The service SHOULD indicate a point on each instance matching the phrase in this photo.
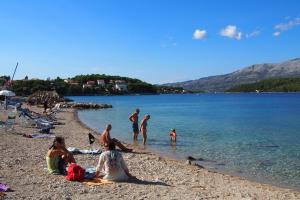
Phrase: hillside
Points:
(270, 85)
(251, 74)
(94, 84)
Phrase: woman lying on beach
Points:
(105, 139)
(143, 128)
(58, 157)
(112, 165)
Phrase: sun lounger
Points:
(38, 121)
(7, 119)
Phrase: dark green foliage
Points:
(141, 87)
(27, 87)
(81, 79)
(270, 85)
(169, 90)
(4, 79)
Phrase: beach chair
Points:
(10, 122)
(7, 119)
(28, 119)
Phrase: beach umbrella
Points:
(7, 93)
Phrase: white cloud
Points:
(286, 26)
(253, 34)
(277, 33)
(231, 31)
(199, 34)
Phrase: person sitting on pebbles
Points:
(111, 165)
(105, 139)
(58, 157)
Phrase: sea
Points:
(251, 135)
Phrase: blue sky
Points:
(156, 41)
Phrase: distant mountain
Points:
(270, 85)
(251, 74)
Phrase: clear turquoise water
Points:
(251, 135)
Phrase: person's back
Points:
(112, 164)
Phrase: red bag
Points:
(75, 173)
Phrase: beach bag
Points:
(75, 173)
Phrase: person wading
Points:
(134, 118)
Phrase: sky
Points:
(157, 41)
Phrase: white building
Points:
(84, 86)
(121, 87)
(101, 82)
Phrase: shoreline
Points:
(195, 163)
(23, 168)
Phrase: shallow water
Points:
(251, 135)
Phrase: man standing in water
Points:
(143, 128)
(134, 118)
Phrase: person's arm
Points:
(107, 137)
(131, 117)
(100, 165)
(142, 125)
(55, 152)
(104, 138)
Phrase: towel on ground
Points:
(90, 173)
(75, 150)
(38, 135)
(96, 182)
(4, 187)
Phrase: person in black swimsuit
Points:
(134, 118)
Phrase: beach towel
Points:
(4, 187)
(38, 135)
(75, 150)
(96, 182)
(90, 173)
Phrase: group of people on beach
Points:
(111, 165)
(134, 118)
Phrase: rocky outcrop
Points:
(85, 105)
(40, 97)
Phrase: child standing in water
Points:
(143, 128)
(173, 135)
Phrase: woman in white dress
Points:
(112, 165)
